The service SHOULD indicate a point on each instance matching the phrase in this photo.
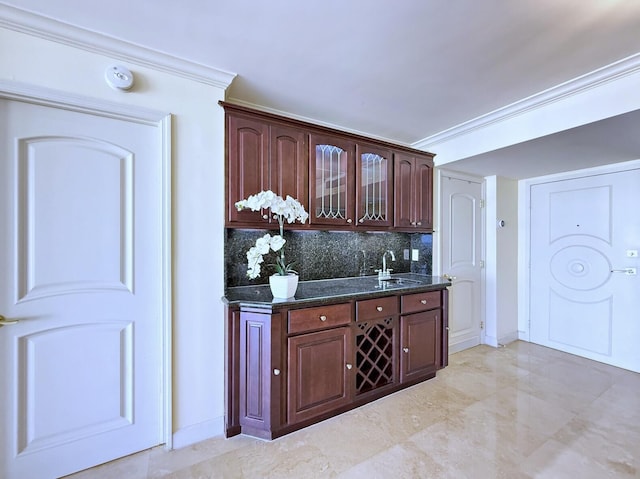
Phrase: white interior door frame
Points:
(57, 99)
(524, 237)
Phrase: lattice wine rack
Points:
(374, 355)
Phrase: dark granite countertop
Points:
(332, 290)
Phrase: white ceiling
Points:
(401, 70)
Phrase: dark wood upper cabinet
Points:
(332, 180)
(344, 181)
(263, 155)
(247, 166)
(374, 186)
(413, 202)
(289, 162)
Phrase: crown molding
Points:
(333, 126)
(609, 73)
(47, 28)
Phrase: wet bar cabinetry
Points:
(413, 204)
(294, 365)
(345, 181)
(263, 155)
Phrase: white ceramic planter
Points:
(283, 287)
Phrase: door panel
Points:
(51, 260)
(80, 268)
(583, 234)
(461, 257)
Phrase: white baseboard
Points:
(462, 345)
(509, 338)
(198, 432)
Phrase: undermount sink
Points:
(400, 281)
(396, 282)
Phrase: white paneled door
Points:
(585, 286)
(80, 272)
(461, 229)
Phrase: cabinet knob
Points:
(323, 318)
(419, 223)
(406, 350)
(361, 220)
(379, 308)
(265, 217)
(447, 328)
(413, 223)
(423, 301)
(276, 372)
(349, 366)
(349, 221)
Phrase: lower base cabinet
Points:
(319, 373)
(289, 368)
(420, 356)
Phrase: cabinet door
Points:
(247, 167)
(403, 173)
(374, 186)
(420, 343)
(319, 373)
(332, 180)
(413, 182)
(423, 193)
(289, 163)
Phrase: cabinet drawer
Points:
(376, 308)
(321, 317)
(412, 303)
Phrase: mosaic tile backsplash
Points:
(329, 254)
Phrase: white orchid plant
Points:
(288, 209)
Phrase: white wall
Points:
(198, 199)
(501, 261)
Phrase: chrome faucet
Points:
(385, 273)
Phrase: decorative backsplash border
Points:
(329, 254)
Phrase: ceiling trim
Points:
(614, 71)
(49, 29)
(333, 126)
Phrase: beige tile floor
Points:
(523, 411)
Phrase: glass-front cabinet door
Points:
(374, 186)
(332, 180)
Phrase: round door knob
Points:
(276, 372)
(349, 221)
(323, 318)
(379, 308)
(423, 301)
(406, 350)
(349, 366)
